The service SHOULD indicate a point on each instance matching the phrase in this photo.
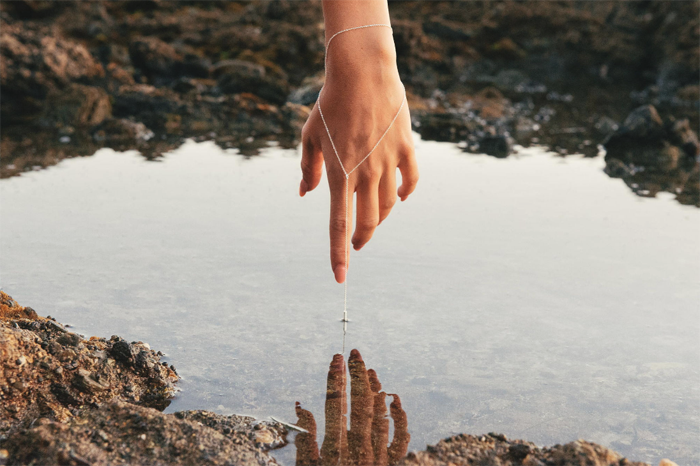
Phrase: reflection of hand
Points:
(366, 441)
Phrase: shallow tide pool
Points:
(532, 296)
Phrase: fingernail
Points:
(303, 187)
(340, 272)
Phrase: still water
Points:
(532, 296)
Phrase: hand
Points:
(360, 98)
(366, 441)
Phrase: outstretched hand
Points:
(359, 100)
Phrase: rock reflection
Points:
(367, 441)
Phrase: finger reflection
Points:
(367, 441)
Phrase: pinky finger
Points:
(409, 175)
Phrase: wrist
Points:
(362, 54)
(344, 14)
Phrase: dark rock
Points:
(238, 76)
(680, 134)
(77, 105)
(644, 140)
(499, 146)
(122, 351)
(307, 93)
(33, 63)
(153, 56)
(644, 123)
(450, 127)
(449, 30)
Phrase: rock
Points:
(499, 146)
(238, 76)
(121, 129)
(33, 63)
(680, 134)
(496, 450)
(667, 462)
(77, 105)
(450, 127)
(122, 433)
(307, 93)
(153, 56)
(644, 122)
(445, 29)
(644, 140)
(268, 435)
(61, 372)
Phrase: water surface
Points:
(532, 296)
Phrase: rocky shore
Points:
(71, 401)
(573, 76)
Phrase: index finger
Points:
(340, 225)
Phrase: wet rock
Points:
(153, 56)
(644, 140)
(445, 29)
(35, 62)
(265, 434)
(450, 127)
(61, 372)
(122, 433)
(122, 129)
(77, 105)
(499, 146)
(238, 76)
(497, 450)
(32, 9)
(680, 134)
(307, 93)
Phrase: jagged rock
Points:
(238, 76)
(153, 56)
(35, 62)
(77, 105)
(450, 127)
(61, 372)
(644, 140)
(498, 145)
(118, 433)
(496, 450)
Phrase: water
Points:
(532, 296)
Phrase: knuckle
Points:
(388, 204)
(338, 226)
(366, 226)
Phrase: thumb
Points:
(311, 164)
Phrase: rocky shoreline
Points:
(569, 75)
(71, 401)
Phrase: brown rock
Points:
(62, 372)
(497, 450)
(78, 105)
(118, 433)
